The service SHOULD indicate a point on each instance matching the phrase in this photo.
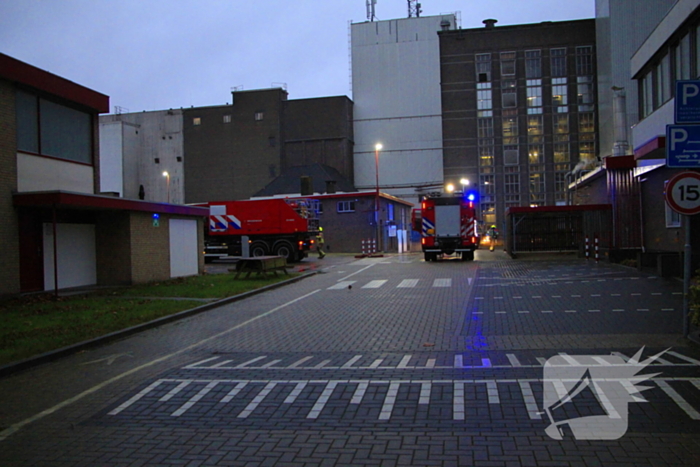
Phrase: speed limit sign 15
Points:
(683, 193)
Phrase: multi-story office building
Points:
(518, 110)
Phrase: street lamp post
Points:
(167, 184)
(377, 148)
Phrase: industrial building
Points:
(396, 91)
(223, 152)
(518, 111)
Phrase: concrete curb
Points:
(116, 335)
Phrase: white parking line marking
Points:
(233, 392)
(341, 285)
(407, 283)
(295, 392)
(257, 400)
(442, 282)
(359, 392)
(175, 391)
(532, 409)
(323, 400)
(203, 392)
(458, 401)
(678, 399)
(390, 400)
(683, 357)
(375, 284)
(513, 360)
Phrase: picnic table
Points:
(261, 265)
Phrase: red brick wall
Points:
(9, 228)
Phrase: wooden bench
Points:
(261, 265)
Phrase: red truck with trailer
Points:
(281, 227)
(447, 224)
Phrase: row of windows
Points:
(258, 116)
(561, 154)
(533, 63)
(679, 60)
(535, 127)
(50, 129)
(585, 96)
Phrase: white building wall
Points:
(621, 27)
(149, 144)
(111, 171)
(397, 102)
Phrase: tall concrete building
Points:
(621, 27)
(518, 110)
(396, 91)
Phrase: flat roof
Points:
(23, 73)
(83, 201)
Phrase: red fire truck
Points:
(282, 227)
(448, 225)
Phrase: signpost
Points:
(682, 191)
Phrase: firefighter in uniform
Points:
(319, 243)
(493, 235)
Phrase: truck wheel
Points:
(467, 256)
(286, 249)
(430, 256)
(258, 249)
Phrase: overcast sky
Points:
(160, 54)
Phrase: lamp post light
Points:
(377, 148)
(464, 182)
(167, 184)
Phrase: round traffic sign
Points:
(683, 193)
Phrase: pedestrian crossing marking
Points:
(260, 390)
(442, 282)
(341, 285)
(404, 284)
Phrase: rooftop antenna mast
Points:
(414, 8)
(371, 16)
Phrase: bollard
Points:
(587, 248)
(597, 257)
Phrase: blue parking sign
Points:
(687, 102)
(683, 146)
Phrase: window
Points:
(486, 184)
(663, 80)
(535, 157)
(534, 94)
(51, 129)
(558, 62)
(586, 98)
(227, 118)
(483, 68)
(584, 60)
(533, 64)
(535, 129)
(510, 130)
(483, 96)
(346, 206)
(512, 183)
(486, 158)
(586, 122)
(673, 219)
(509, 98)
(196, 121)
(560, 123)
(560, 94)
(485, 127)
(587, 150)
(259, 116)
(647, 95)
(488, 213)
(560, 186)
(561, 153)
(507, 63)
(536, 187)
(390, 212)
(510, 155)
(682, 58)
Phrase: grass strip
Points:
(41, 323)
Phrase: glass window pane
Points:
(65, 132)
(27, 122)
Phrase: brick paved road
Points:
(387, 361)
